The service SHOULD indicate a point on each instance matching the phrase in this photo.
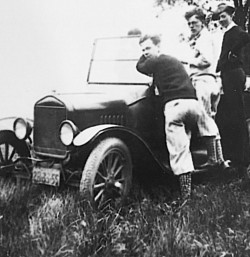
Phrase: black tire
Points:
(11, 148)
(107, 175)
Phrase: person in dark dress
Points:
(231, 115)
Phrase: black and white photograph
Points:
(125, 128)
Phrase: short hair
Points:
(223, 7)
(156, 39)
(198, 12)
(228, 9)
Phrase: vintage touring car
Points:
(99, 138)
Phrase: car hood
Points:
(99, 96)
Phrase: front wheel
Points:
(11, 151)
(107, 175)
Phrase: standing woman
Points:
(230, 116)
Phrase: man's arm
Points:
(203, 52)
(199, 61)
(146, 65)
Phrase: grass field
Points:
(42, 221)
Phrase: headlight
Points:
(68, 131)
(22, 128)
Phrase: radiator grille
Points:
(46, 130)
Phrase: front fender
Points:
(140, 150)
(7, 123)
(6, 126)
(90, 133)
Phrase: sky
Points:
(46, 45)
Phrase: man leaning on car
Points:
(181, 108)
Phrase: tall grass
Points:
(42, 221)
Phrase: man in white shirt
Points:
(202, 72)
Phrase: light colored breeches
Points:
(208, 92)
(180, 115)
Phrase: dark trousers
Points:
(231, 119)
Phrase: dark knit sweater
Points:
(233, 41)
(169, 76)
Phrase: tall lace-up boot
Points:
(211, 152)
(220, 158)
(185, 185)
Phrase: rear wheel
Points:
(107, 175)
(13, 153)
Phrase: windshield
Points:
(114, 62)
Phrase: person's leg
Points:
(210, 142)
(177, 139)
(231, 117)
(210, 133)
(215, 88)
(185, 185)
(206, 87)
(220, 157)
(178, 143)
(204, 92)
(215, 99)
